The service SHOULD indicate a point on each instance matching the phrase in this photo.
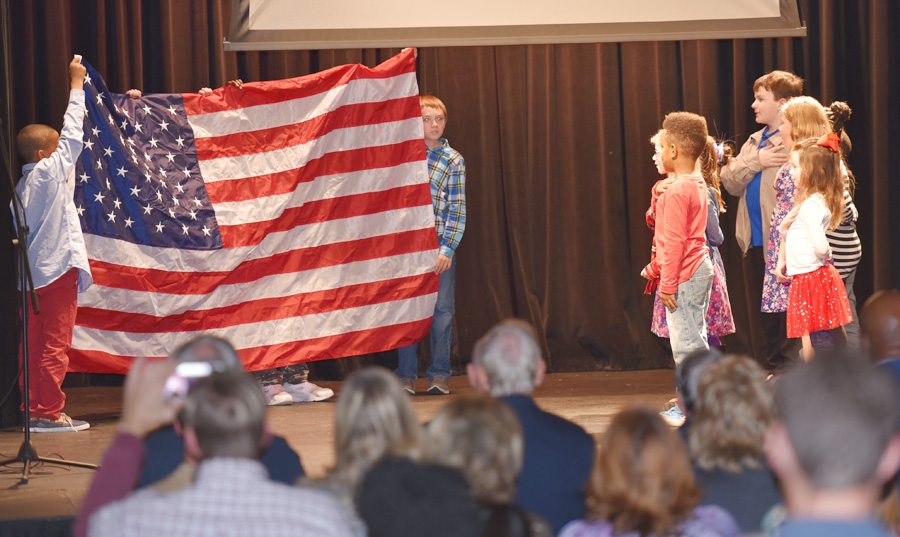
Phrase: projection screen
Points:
(333, 24)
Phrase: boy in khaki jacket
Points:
(750, 176)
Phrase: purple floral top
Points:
(706, 521)
(775, 294)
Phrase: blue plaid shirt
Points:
(447, 172)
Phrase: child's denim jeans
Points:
(687, 324)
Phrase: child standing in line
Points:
(682, 255)
(817, 301)
(801, 118)
(719, 319)
(844, 240)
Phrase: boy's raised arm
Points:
(70, 138)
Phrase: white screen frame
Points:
(272, 31)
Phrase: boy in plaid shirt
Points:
(447, 172)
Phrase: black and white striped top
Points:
(845, 246)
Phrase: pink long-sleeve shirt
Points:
(680, 234)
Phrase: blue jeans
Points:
(441, 333)
(687, 324)
(852, 329)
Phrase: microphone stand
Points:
(27, 455)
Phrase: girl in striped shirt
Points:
(845, 246)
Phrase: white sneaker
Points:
(307, 392)
(673, 416)
(439, 386)
(64, 424)
(408, 385)
(276, 396)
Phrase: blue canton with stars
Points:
(138, 178)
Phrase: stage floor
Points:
(589, 399)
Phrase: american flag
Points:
(292, 217)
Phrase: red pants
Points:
(49, 338)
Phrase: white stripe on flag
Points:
(264, 333)
(291, 158)
(266, 116)
(231, 213)
(120, 252)
(274, 286)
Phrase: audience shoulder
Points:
(570, 429)
(321, 509)
(716, 518)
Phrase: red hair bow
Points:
(831, 141)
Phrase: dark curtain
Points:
(555, 140)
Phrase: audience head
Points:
(223, 416)
(36, 141)
(400, 497)
(880, 324)
(733, 410)
(373, 419)
(835, 428)
(642, 481)
(687, 375)
(803, 117)
(684, 138)
(507, 360)
(218, 352)
(479, 436)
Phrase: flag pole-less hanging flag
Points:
(291, 217)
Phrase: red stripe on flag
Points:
(335, 162)
(322, 211)
(282, 354)
(277, 91)
(339, 346)
(264, 309)
(263, 140)
(199, 283)
(85, 361)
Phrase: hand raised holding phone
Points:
(145, 406)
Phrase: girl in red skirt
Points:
(817, 301)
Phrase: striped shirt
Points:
(447, 171)
(846, 249)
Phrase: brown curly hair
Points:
(732, 411)
(709, 168)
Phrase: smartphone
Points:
(186, 374)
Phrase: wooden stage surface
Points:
(589, 399)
